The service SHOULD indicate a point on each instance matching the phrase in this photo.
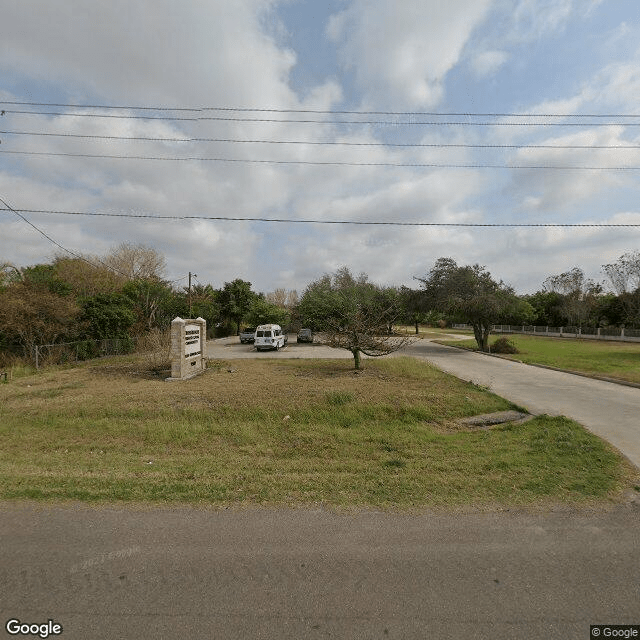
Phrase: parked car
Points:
(305, 335)
(270, 336)
(248, 335)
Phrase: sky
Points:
(435, 117)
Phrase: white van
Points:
(269, 336)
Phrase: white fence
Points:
(588, 333)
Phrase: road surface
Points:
(306, 574)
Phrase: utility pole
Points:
(195, 275)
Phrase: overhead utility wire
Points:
(392, 123)
(418, 165)
(437, 145)
(318, 221)
(50, 239)
(324, 111)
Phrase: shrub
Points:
(504, 345)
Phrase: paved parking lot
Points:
(231, 348)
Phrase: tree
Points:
(87, 277)
(136, 262)
(471, 295)
(9, 273)
(31, 314)
(261, 311)
(579, 295)
(624, 276)
(151, 302)
(235, 300)
(204, 304)
(352, 313)
(108, 315)
(547, 308)
(413, 306)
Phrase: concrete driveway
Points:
(609, 410)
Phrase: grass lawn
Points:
(287, 432)
(619, 360)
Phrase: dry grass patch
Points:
(286, 432)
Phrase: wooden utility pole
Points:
(195, 275)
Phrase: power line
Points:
(390, 123)
(325, 111)
(436, 145)
(417, 165)
(333, 222)
(50, 239)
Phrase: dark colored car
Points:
(305, 335)
(248, 335)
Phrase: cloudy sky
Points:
(352, 111)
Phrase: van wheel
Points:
(277, 346)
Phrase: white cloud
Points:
(401, 52)
(487, 63)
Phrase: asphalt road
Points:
(281, 574)
(609, 410)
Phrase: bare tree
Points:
(9, 273)
(579, 294)
(625, 280)
(136, 262)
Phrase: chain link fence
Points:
(65, 352)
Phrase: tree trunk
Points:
(482, 336)
(356, 357)
(417, 331)
(485, 338)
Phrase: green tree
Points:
(261, 311)
(352, 313)
(547, 308)
(471, 295)
(108, 315)
(235, 300)
(152, 302)
(413, 307)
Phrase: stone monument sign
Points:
(188, 348)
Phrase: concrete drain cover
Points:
(489, 419)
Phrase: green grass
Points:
(619, 360)
(290, 432)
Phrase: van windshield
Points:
(264, 334)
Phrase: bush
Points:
(156, 347)
(503, 345)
